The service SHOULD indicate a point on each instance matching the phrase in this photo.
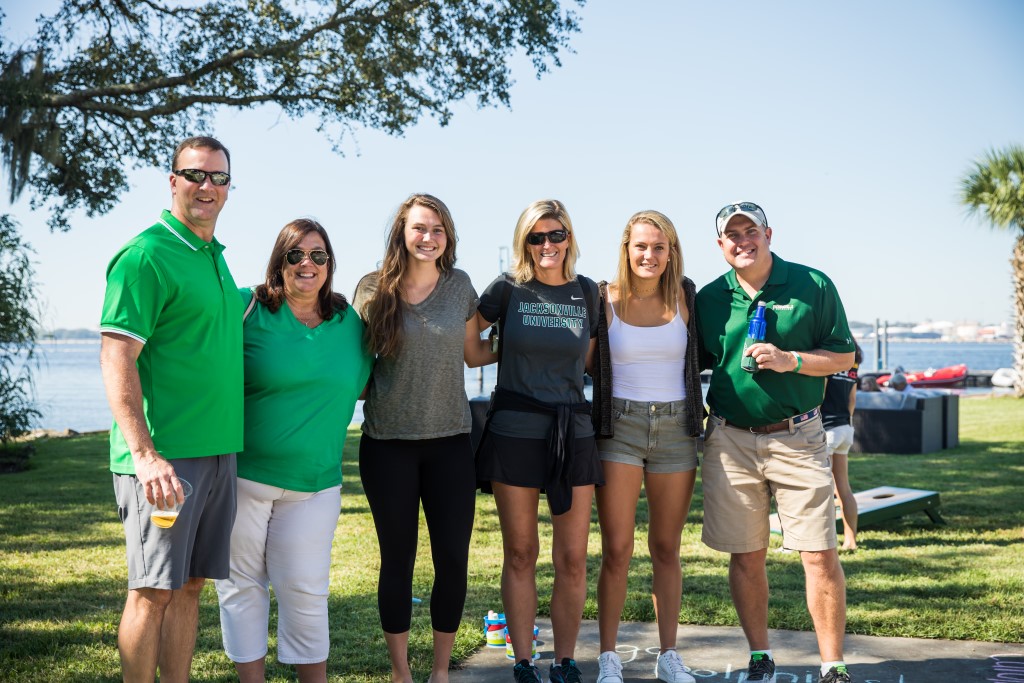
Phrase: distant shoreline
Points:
(83, 337)
(904, 340)
(63, 335)
(70, 340)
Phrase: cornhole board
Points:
(884, 503)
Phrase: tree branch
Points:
(336, 20)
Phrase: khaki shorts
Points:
(743, 471)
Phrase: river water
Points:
(69, 388)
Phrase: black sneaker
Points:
(837, 674)
(566, 672)
(761, 669)
(525, 672)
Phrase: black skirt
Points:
(524, 462)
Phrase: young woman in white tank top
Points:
(653, 422)
(647, 361)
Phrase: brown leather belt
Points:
(776, 426)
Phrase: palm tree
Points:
(994, 188)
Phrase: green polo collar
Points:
(181, 231)
(778, 276)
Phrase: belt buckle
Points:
(771, 428)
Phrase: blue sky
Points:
(850, 123)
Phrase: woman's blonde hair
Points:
(522, 262)
(671, 280)
(384, 309)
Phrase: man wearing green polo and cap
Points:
(764, 436)
(171, 357)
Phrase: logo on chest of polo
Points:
(552, 315)
(782, 307)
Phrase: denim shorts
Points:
(652, 435)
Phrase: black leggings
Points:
(397, 474)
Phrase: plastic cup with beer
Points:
(165, 518)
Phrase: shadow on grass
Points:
(49, 628)
(27, 599)
(32, 529)
(956, 544)
(974, 447)
(61, 636)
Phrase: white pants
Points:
(282, 539)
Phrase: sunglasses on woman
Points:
(555, 237)
(317, 256)
(197, 176)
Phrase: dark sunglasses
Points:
(729, 209)
(197, 176)
(317, 256)
(555, 237)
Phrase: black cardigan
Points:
(601, 413)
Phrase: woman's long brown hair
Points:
(383, 312)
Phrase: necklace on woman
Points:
(312, 319)
(640, 294)
(422, 318)
(416, 290)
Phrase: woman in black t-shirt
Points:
(539, 435)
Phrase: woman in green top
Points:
(305, 366)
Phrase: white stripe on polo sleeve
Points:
(121, 330)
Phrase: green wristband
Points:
(799, 361)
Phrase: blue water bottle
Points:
(755, 334)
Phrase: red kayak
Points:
(935, 378)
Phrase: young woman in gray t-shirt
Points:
(420, 315)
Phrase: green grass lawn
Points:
(62, 567)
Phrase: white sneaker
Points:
(671, 669)
(610, 668)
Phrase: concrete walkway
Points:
(717, 653)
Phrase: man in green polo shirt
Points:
(171, 358)
(764, 436)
